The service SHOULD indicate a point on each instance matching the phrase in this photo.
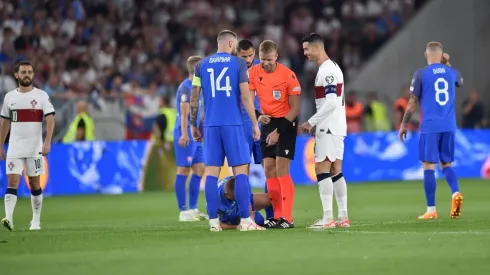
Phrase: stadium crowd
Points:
(121, 48)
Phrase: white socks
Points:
(37, 205)
(10, 201)
(325, 187)
(340, 190)
(431, 209)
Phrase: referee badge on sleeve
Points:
(276, 94)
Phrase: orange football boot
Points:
(429, 216)
(456, 205)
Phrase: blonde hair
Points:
(191, 63)
(267, 46)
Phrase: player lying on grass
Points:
(229, 215)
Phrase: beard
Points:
(26, 82)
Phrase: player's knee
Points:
(336, 168)
(270, 169)
(35, 183)
(198, 169)
(282, 167)
(183, 171)
(446, 164)
(428, 166)
(212, 171)
(323, 167)
(13, 181)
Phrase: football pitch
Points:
(140, 234)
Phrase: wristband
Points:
(257, 114)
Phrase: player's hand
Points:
(306, 127)
(2, 153)
(184, 140)
(196, 134)
(264, 119)
(256, 132)
(402, 133)
(272, 138)
(46, 148)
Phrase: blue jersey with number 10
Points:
(435, 87)
(220, 75)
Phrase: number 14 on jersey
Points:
(217, 82)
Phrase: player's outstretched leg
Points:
(269, 211)
(457, 197)
(430, 192)
(10, 198)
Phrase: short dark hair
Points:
(245, 45)
(22, 63)
(230, 185)
(312, 38)
(225, 33)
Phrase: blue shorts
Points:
(191, 154)
(253, 145)
(437, 147)
(225, 141)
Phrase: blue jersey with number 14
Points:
(220, 75)
(435, 87)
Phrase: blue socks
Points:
(242, 195)
(180, 181)
(430, 187)
(194, 186)
(259, 219)
(269, 211)
(211, 192)
(451, 179)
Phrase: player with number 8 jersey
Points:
(434, 86)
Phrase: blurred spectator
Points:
(82, 128)
(473, 112)
(377, 119)
(119, 48)
(354, 111)
(163, 129)
(400, 106)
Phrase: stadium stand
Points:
(123, 54)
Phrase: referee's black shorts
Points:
(285, 146)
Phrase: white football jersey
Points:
(26, 112)
(329, 85)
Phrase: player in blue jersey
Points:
(228, 212)
(434, 86)
(246, 51)
(223, 79)
(188, 153)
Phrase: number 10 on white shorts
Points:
(34, 166)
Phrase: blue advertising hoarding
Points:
(116, 167)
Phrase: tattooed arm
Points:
(412, 105)
(195, 92)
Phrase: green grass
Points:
(139, 234)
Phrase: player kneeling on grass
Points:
(228, 213)
(23, 111)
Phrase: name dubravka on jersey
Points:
(26, 112)
(329, 77)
